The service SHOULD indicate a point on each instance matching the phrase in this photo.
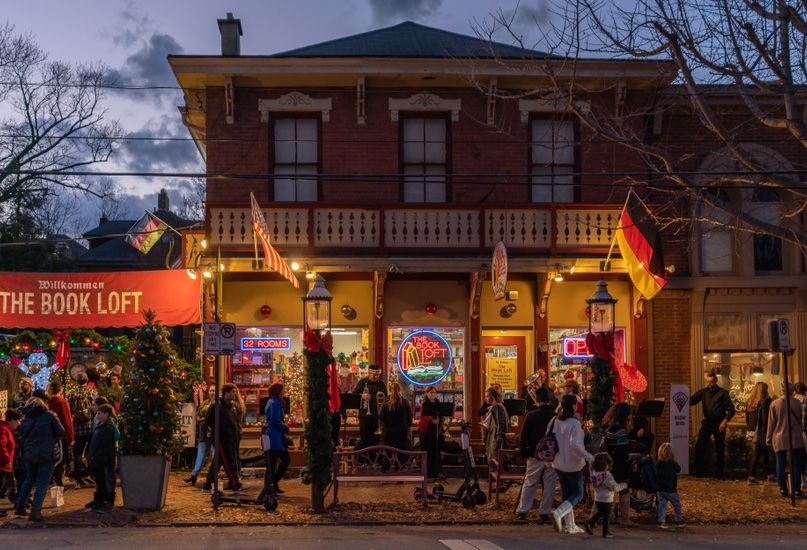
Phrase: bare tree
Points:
(738, 69)
(193, 205)
(54, 126)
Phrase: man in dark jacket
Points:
(61, 407)
(227, 438)
(535, 427)
(369, 387)
(717, 411)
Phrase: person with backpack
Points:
(535, 427)
(80, 400)
(667, 471)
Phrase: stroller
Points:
(642, 485)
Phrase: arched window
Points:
(765, 206)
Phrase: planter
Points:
(144, 481)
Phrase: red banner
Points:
(71, 300)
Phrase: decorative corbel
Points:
(477, 278)
(379, 279)
(360, 104)
(229, 100)
(492, 90)
(547, 283)
(638, 307)
(620, 97)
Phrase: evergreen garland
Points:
(319, 446)
(149, 414)
(601, 395)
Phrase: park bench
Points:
(508, 467)
(380, 464)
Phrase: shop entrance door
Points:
(505, 362)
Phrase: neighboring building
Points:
(386, 163)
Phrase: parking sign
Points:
(219, 339)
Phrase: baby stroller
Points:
(642, 485)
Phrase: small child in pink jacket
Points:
(604, 488)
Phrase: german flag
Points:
(640, 245)
(146, 232)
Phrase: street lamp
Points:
(317, 307)
(601, 308)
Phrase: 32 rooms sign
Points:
(66, 300)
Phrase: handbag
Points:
(266, 442)
(547, 447)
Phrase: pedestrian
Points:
(396, 419)
(227, 439)
(205, 439)
(429, 432)
(499, 423)
(537, 471)
(756, 419)
(717, 411)
(26, 386)
(80, 399)
(667, 471)
(572, 387)
(101, 459)
(604, 487)
(615, 425)
(277, 456)
(778, 435)
(568, 463)
(801, 395)
(61, 407)
(39, 430)
(11, 421)
(369, 387)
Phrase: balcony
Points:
(390, 230)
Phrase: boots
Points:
(624, 511)
(190, 479)
(95, 500)
(559, 513)
(36, 515)
(571, 527)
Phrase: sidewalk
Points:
(705, 501)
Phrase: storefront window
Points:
(569, 355)
(420, 357)
(738, 373)
(266, 355)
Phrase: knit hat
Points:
(27, 379)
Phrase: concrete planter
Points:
(144, 481)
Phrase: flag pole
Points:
(613, 239)
(162, 222)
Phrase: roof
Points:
(410, 39)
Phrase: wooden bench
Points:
(508, 466)
(380, 464)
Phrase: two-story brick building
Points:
(390, 163)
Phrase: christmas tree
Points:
(293, 387)
(601, 390)
(149, 415)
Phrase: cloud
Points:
(161, 145)
(387, 11)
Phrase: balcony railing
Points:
(390, 229)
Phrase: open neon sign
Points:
(264, 344)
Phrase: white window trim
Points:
(548, 105)
(295, 102)
(425, 102)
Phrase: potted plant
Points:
(149, 419)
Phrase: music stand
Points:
(349, 402)
(651, 408)
(515, 407)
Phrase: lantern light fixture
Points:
(601, 307)
(317, 307)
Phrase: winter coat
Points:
(61, 407)
(717, 405)
(397, 420)
(758, 419)
(604, 486)
(102, 446)
(777, 424)
(667, 476)
(275, 424)
(40, 428)
(499, 425)
(534, 429)
(617, 441)
(229, 426)
(572, 454)
(7, 445)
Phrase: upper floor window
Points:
(552, 160)
(296, 159)
(767, 248)
(717, 238)
(425, 159)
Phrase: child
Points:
(604, 487)
(101, 458)
(667, 481)
(13, 417)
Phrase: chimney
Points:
(231, 34)
(162, 200)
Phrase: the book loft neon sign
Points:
(424, 358)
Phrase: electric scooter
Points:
(469, 492)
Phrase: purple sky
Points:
(134, 37)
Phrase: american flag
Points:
(273, 259)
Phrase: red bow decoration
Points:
(632, 378)
(313, 342)
(603, 347)
(63, 352)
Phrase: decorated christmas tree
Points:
(149, 415)
(293, 387)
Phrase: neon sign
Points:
(424, 358)
(574, 347)
(265, 344)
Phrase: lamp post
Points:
(600, 341)
(318, 359)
